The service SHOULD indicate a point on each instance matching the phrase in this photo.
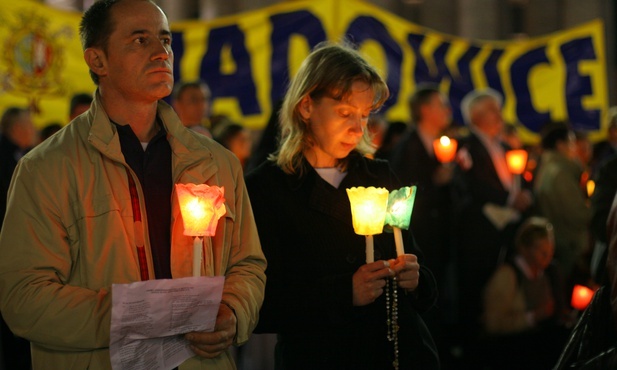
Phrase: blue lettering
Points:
(519, 74)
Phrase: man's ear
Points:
(306, 107)
(95, 59)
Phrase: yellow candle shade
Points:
(201, 207)
(516, 160)
(445, 149)
(400, 206)
(368, 209)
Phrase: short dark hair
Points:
(534, 228)
(79, 99)
(421, 97)
(183, 85)
(553, 133)
(95, 28)
(9, 117)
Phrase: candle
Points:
(398, 215)
(581, 296)
(201, 207)
(445, 149)
(516, 160)
(368, 212)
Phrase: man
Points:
(560, 198)
(487, 203)
(94, 205)
(79, 104)
(191, 100)
(18, 136)
(414, 162)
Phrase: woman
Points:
(327, 306)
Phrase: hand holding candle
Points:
(398, 215)
(201, 207)
(368, 211)
(516, 161)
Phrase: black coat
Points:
(430, 221)
(306, 232)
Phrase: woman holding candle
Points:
(326, 304)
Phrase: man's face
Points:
(138, 60)
(192, 105)
(437, 112)
(486, 116)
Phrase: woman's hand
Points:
(407, 270)
(368, 282)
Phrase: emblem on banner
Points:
(33, 58)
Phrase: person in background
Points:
(523, 304)
(79, 104)
(18, 137)
(236, 138)
(329, 306)
(604, 149)
(488, 207)
(94, 205)
(394, 133)
(414, 162)
(49, 130)
(561, 200)
(191, 101)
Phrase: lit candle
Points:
(368, 212)
(398, 215)
(516, 161)
(201, 207)
(591, 187)
(445, 149)
(581, 296)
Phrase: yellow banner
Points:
(249, 58)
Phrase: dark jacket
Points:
(306, 232)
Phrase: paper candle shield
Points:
(201, 207)
(445, 149)
(516, 160)
(400, 206)
(368, 209)
(581, 297)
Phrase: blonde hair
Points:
(329, 70)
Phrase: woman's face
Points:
(336, 126)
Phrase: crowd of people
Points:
(491, 256)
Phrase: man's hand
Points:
(210, 345)
(368, 282)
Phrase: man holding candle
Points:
(488, 207)
(415, 162)
(94, 206)
(327, 305)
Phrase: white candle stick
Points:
(398, 240)
(197, 247)
(369, 249)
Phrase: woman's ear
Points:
(95, 59)
(305, 107)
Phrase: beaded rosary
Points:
(392, 319)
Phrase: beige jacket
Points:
(69, 234)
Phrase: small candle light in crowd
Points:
(368, 212)
(581, 297)
(201, 207)
(445, 149)
(591, 187)
(516, 161)
(400, 206)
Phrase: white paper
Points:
(149, 320)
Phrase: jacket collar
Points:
(187, 148)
